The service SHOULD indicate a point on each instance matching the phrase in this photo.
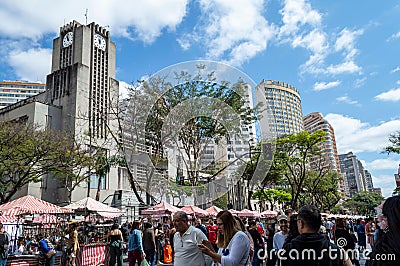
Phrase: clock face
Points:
(68, 39)
(100, 42)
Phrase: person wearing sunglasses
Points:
(233, 244)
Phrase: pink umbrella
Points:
(213, 210)
(9, 219)
(234, 212)
(194, 210)
(29, 205)
(269, 213)
(247, 213)
(93, 205)
(161, 208)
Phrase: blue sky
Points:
(343, 56)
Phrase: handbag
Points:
(51, 253)
(116, 244)
(144, 263)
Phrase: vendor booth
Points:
(14, 214)
(91, 251)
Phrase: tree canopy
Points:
(364, 203)
(28, 153)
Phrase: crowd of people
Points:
(229, 240)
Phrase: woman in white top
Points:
(233, 244)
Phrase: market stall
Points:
(213, 211)
(17, 226)
(91, 251)
(195, 211)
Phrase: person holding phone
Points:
(186, 240)
(234, 245)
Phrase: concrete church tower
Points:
(82, 79)
(81, 98)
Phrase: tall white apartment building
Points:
(329, 158)
(285, 104)
(15, 91)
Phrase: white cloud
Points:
(346, 99)
(302, 27)
(26, 22)
(382, 164)
(345, 67)
(359, 82)
(142, 20)
(296, 13)
(386, 182)
(346, 41)
(123, 89)
(230, 32)
(31, 65)
(357, 136)
(319, 86)
(394, 36)
(389, 96)
(395, 70)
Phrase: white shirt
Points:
(186, 251)
(279, 240)
(239, 251)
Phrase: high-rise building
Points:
(329, 158)
(353, 174)
(81, 98)
(285, 104)
(368, 181)
(15, 91)
(378, 190)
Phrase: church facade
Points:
(81, 98)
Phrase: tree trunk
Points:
(98, 189)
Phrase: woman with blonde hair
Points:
(233, 244)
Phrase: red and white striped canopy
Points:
(93, 205)
(269, 213)
(194, 210)
(213, 210)
(9, 219)
(29, 205)
(161, 208)
(247, 213)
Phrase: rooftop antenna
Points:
(86, 15)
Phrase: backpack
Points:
(4, 242)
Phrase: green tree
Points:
(28, 153)
(221, 202)
(364, 203)
(295, 152)
(321, 189)
(396, 191)
(394, 139)
(273, 196)
(165, 119)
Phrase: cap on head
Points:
(282, 217)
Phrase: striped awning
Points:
(194, 210)
(93, 205)
(161, 208)
(9, 219)
(29, 205)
